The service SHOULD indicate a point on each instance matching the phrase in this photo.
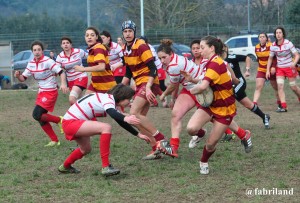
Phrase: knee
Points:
(293, 85)
(106, 128)
(86, 150)
(36, 115)
(176, 115)
(72, 100)
(191, 130)
(210, 147)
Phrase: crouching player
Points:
(79, 124)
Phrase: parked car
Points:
(245, 45)
(179, 49)
(21, 59)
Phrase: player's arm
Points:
(170, 88)
(123, 121)
(127, 76)
(19, 76)
(153, 73)
(118, 64)
(97, 68)
(199, 88)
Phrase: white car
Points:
(245, 45)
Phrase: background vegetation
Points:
(180, 20)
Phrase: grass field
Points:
(29, 173)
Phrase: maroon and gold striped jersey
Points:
(136, 59)
(262, 54)
(104, 80)
(216, 74)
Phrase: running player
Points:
(284, 50)
(79, 124)
(185, 101)
(223, 108)
(44, 70)
(68, 58)
(141, 67)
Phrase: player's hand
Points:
(132, 119)
(162, 97)
(186, 75)
(149, 95)
(143, 137)
(64, 89)
(79, 68)
(267, 75)
(247, 73)
(171, 104)
(17, 74)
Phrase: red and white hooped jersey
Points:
(44, 71)
(284, 53)
(115, 54)
(90, 106)
(180, 63)
(156, 59)
(68, 63)
(202, 67)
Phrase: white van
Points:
(245, 45)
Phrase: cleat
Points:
(110, 171)
(153, 155)
(204, 170)
(52, 144)
(196, 139)
(165, 147)
(227, 138)
(60, 125)
(71, 169)
(281, 110)
(247, 142)
(267, 121)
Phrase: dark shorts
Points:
(240, 90)
(226, 120)
(263, 75)
(141, 90)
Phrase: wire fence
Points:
(51, 40)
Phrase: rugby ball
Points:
(206, 97)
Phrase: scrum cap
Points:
(128, 25)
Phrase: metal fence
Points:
(22, 41)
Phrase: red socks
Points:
(201, 133)
(283, 105)
(49, 131)
(50, 118)
(206, 154)
(104, 146)
(241, 133)
(74, 156)
(174, 142)
(228, 131)
(159, 136)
